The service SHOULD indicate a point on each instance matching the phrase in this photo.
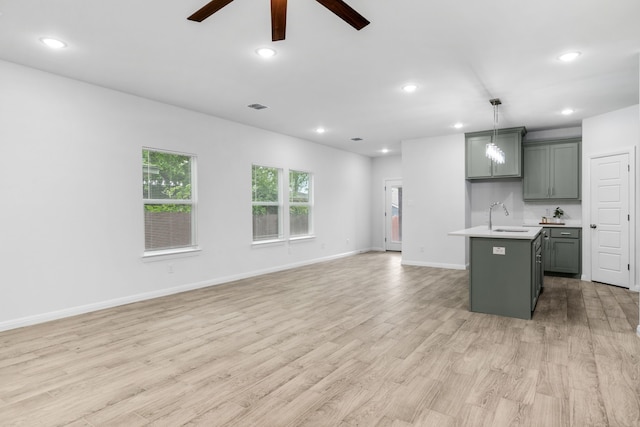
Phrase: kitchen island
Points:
(506, 270)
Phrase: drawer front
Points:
(572, 233)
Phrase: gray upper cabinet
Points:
(478, 166)
(552, 170)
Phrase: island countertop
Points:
(508, 232)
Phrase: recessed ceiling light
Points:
(569, 56)
(356, 139)
(257, 106)
(384, 150)
(53, 43)
(321, 130)
(410, 87)
(266, 52)
(458, 125)
(567, 112)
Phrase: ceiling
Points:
(460, 54)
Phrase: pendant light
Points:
(494, 152)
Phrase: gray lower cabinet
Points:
(506, 276)
(551, 170)
(563, 250)
(478, 166)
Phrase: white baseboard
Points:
(74, 311)
(436, 265)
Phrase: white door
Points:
(610, 219)
(393, 215)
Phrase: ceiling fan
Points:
(279, 14)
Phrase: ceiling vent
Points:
(356, 139)
(257, 106)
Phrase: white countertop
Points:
(572, 224)
(511, 232)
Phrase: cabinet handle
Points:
(565, 233)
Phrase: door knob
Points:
(593, 226)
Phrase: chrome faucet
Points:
(506, 212)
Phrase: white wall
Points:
(608, 133)
(435, 198)
(71, 220)
(383, 168)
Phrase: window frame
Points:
(309, 204)
(193, 202)
(279, 203)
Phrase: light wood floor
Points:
(360, 341)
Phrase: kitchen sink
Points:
(510, 230)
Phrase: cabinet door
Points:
(546, 249)
(564, 171)
(478, 164)
(535, 183)
(538, 272)
(511, 145)
(565, 255)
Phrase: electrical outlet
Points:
(170, 268)
(421, 248)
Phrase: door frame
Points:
(387, 182)
(586, 211)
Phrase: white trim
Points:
(74, 311)
(259, 243)
(586, 200)
(384, 210)
(170, 253)
(309, 204)
(302, 238)
(193, 202)
(436, 265)
(280, 204)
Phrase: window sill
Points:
(258, 243)
(302, 238)
(282, 241)
(170, 254)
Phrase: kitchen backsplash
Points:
(482, 194)
(532, 213)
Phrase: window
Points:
(300, 204)
(266, 203)
(168, 192)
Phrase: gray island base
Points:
(506, 270)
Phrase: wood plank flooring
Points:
(360, 341)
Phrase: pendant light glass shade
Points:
(494, 152)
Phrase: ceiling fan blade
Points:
(346, 12)
(208, 9)
(278, 19)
